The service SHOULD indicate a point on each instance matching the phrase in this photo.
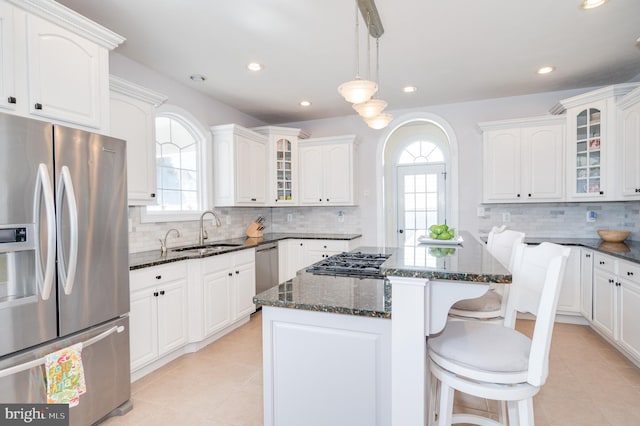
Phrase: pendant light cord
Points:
(357, 44)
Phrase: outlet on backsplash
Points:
(341, 216)
(506, 217)
(289, 217)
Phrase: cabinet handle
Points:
(158, 277)
(230, 274)
(153, 195)
(12, 100)
(155, 294)
(610, 281)
(38, 106)
(162, 292)
(237, 272)
(587, 255)
(253, 199)
(602, 262)
(629, 273)
(601, 192)
(618, 284)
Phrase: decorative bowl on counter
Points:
(612, 236)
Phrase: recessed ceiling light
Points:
(592, 4)
(305, 103)
(409, 89)
(197, 78)
(545, 70)
(255, 66)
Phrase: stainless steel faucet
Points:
(203, 233)
(163, 243)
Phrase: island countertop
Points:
(470, 262)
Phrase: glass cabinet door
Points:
(284, 170)
(588, 160)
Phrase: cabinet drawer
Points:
(217, 263)
(327, 245)
(604, 263)
(245, 256)
(156, 275)
(629, 271)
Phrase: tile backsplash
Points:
(563, 219)
(335, 220)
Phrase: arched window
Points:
(179, 153)
(421, 152)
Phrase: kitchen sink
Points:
(206, 247)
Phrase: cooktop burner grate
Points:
(358, 264)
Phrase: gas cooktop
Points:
(352, 264)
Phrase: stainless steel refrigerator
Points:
(64, 269)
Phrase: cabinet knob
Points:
(253, 199)
(276, 200)
(401, 231)
(300, 244)
(237, 272)
(12, 100)
(320, 199)
(587, 255)
(230, 274)
(610, 281)
(38, 106)
(601, 192)
(155, 294)
(518, 195)
(158, 277)
(529, 195)
(153, 195)
(327, 200)
(618, 284)
(162, 292)
(629, 273)
(602, 262)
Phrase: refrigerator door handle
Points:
(66, 186)
(44, 190)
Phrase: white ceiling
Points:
(452, 50)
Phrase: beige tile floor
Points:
(589, 383)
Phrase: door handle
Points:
(66, 186)
(45, 189)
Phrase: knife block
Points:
(253, 231)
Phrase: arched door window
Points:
(421, 190)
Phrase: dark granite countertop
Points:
(469, 261)
(335, 294)
(153, 258)
(628, 250)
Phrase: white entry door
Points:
(421, 200)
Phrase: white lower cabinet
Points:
(224, 293)
(297, 254)
(158, 313)
(616, 298)
(586, 283)
(570, 298)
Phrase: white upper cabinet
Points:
(282, 164)
(592, 142)
(239, 166)
(629, 150)
(7, 62)
(523, 160)
(132, 115)
(60, 64)
(328, 171)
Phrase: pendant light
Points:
(358, 90)
(376, 120)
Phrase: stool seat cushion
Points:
(483, 346)
(489, 302)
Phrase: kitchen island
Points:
(349, 351)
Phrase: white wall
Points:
(463, 117)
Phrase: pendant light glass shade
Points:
(379, 122)
(358, 91)
(371, 108)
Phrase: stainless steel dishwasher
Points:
(266, 266)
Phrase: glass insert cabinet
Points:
(284, 178)
(588, 158)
